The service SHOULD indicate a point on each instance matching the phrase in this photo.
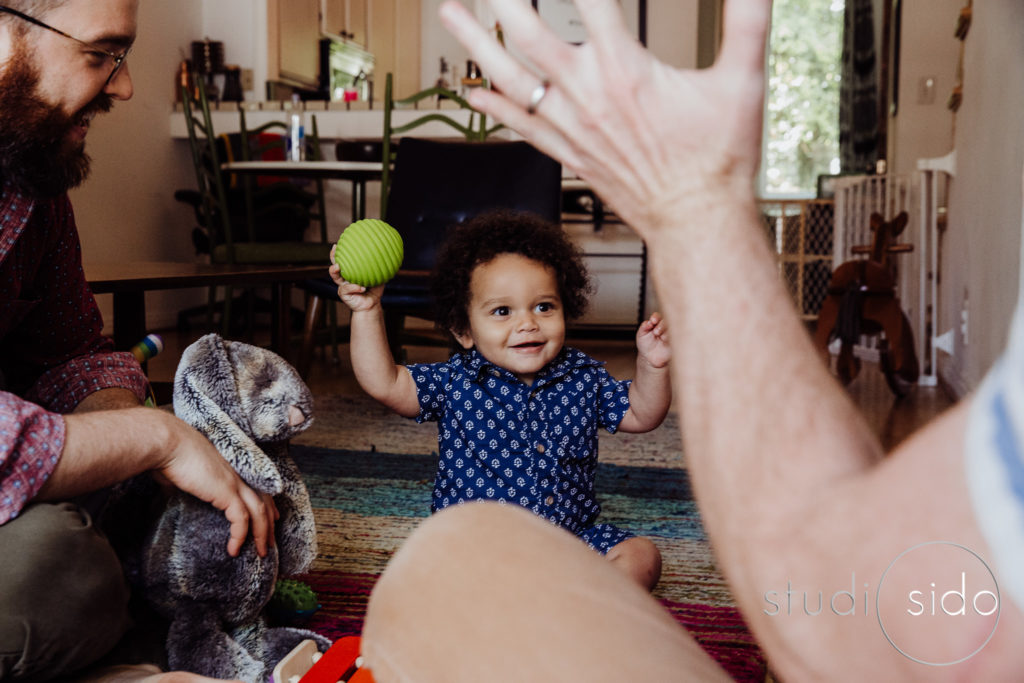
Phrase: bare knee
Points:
(640, 559)
(464, 561)
(454, 538)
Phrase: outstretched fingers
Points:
(745, 32)
(516, 83)
(539, 131)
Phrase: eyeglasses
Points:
(118, 59)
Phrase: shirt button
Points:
(549, 500)
(540, 448)
(495, 372)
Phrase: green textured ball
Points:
(291, 595)
(369, 252)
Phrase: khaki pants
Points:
(486, 592)
(63, 597)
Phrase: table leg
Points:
(282, 304)
(355, 200)
(129, 319)
(358, 200)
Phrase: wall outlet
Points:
(248, 80)
(926, 86)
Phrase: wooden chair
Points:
(862, 299)
(238, 221)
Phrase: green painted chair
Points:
(240, 220)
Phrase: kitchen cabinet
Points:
(346, 18)
(394, 40)
(388, 29)
(293, 34)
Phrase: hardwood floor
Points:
(892, 419)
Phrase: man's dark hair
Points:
(481, 239)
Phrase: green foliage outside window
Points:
(802, 116)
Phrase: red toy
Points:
(341, 662)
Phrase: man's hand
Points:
(194, 466)
(644, 135)
(104, 447)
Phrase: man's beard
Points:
(37, 156)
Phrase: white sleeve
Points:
(994, 461)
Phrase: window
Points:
(801, 128)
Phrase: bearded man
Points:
(71, 423)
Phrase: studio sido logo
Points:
(942, 618)
(937, 603)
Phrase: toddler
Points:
(517, 410)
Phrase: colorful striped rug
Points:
(370, 472)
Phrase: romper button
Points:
(540, 448)
(549, 500)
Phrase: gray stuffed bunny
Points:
(248, 401)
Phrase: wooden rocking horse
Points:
(862, 299)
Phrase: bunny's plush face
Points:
(276, 402)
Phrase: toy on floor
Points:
(248, 402)
(292, 603)
(150, 346)
(369, 252)
(862, 300)
(305, 664)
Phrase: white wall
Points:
(242, 26)
(672, 31)
(126, 210)
(929, 50)
(981, 252)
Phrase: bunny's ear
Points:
(202, 375)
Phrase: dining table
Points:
(358, 172)
(129, 282)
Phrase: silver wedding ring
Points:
(538, 94)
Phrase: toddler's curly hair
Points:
(490, 234)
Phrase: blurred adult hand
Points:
(643, 134)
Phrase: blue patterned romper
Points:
(536, 446)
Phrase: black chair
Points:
(434, 186)
(475, 129)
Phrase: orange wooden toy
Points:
(341, 662)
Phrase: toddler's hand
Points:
(356, 297)
(652, 341)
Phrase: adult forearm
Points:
(777, 452)
(761, 413)
(103, 447)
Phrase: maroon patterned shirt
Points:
(52, 354)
